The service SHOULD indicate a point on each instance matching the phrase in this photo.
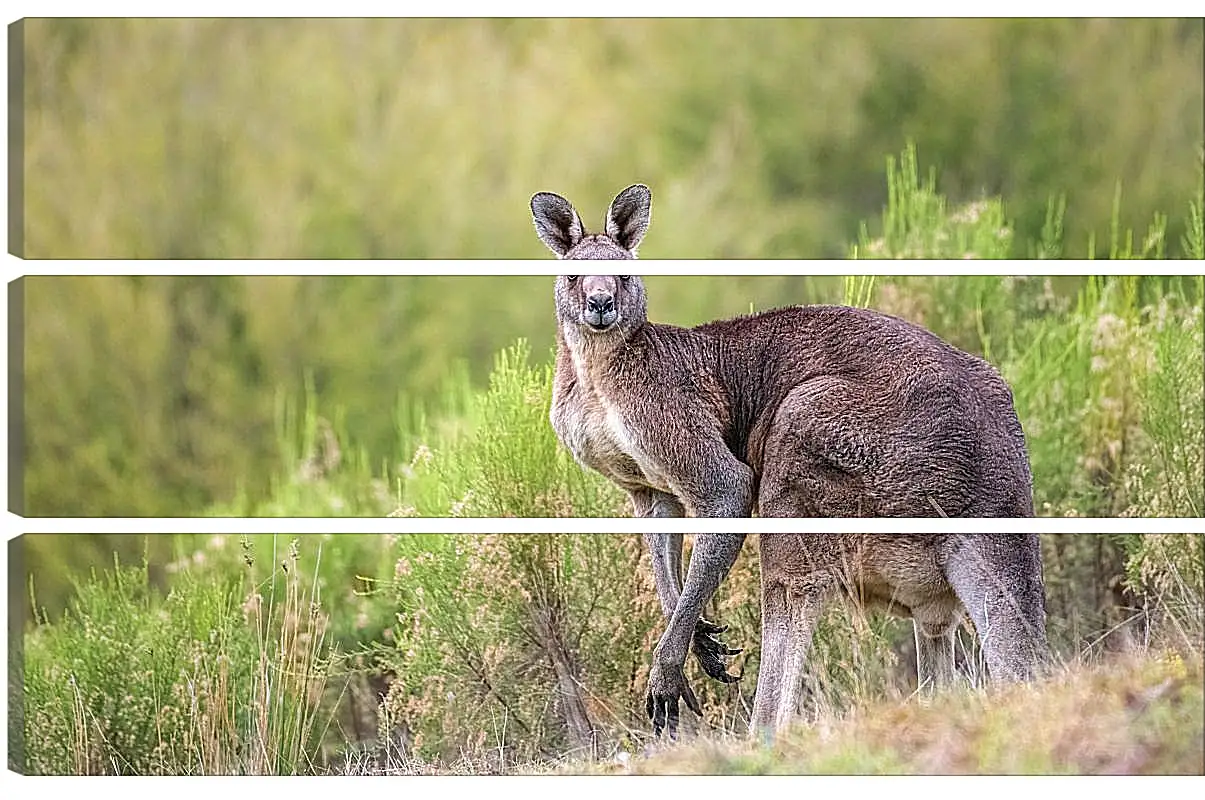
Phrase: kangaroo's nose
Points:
(600, 303)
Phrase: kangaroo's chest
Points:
(603, 438)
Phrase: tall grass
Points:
(917, 223)
(212, 679)
(1168, 570)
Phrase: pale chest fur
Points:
(598, 434)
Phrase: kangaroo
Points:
(806, 411)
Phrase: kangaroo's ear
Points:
(628, 216)
(557, 223)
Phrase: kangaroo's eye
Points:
(625, 278)
(571, 279)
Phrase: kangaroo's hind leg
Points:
(793, 598)
(805, 604)
(998, 577)
(775, 633)
(935, 630)
(818, 453)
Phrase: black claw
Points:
(668, 688)
(710, 652)
(692, 702)
(717, 648)
(715, 668)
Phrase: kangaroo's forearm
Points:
(664, 548)
(710, 561)
(666, 551)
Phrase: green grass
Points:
(218, 676)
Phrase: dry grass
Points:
(1135, 717)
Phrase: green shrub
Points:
(506, 461)
(917, 224)
(516, 647)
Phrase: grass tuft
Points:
(220, 676)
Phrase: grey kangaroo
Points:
(809, 411)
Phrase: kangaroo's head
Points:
(600, 305)
(596, 304)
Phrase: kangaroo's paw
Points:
(667, 685)
(711, 652)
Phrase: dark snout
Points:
(600, 310)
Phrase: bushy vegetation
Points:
(506, 461)
(508, 652)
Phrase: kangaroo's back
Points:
(903, 423)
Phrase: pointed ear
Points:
(628, 216)
(557, 223)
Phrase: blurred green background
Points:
(426, 138)
(763, 138)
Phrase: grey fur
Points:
(808, 411)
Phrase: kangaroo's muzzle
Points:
(600, 311)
